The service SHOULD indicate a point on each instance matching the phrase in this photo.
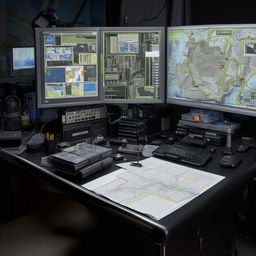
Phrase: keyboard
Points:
(186, 154)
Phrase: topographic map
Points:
(213, 64)
(156, 189)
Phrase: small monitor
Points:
(67, 66)
(133, 64)
(213, 67)
(22, 61)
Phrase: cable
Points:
(156, 16)
(78, 13)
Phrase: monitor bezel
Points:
(25, 72)
(162, 87)
(201, 104)
(68, 102)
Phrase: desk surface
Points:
(162, 229)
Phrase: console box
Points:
(137, 130)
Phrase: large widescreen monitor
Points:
(133, 64)
(212, 67)
(67, 66)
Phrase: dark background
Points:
(16, 17)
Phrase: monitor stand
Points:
(218, 126)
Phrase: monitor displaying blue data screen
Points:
(212, 67)
(23, 58)
(68, 66)
(133, 65)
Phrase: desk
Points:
(162, 231)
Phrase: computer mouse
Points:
(118, 157)
(35, 142)
(212, 149)
(171, 139)
(245, 146)
(230, 160)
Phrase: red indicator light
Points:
(197, 118)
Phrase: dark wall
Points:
(138, 13)
(222, 12)
(113, 12)
(16, 18)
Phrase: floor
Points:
(246, 247)
(37, 235)
(56, 225)
(47, 223)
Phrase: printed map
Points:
(156, 189)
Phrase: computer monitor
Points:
(212, 67)
(22, 61)
(133, 64)
(67, 66)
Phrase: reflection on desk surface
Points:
(156, 189)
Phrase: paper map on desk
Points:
(156, 189)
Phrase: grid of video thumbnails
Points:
(70, 65)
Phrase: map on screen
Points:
(213, 64)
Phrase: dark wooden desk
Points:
(163, 232)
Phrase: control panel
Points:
(82, 123)
(70, 116)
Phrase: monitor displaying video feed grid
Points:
(67, 66)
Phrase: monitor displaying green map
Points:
(212, 67)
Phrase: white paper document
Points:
(157, 188)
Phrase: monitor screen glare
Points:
(213, 67)
(23, 58)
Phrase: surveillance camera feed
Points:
(214, 65)
(23, 58)
(132, 65)
(70, 64)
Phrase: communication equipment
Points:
(82, 123)
(133, 64)
(83, 114)
(133, 130)
(67, 66)
(10, 138)
(212, 67)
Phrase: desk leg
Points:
(161, 249)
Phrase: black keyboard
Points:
(186, 154)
